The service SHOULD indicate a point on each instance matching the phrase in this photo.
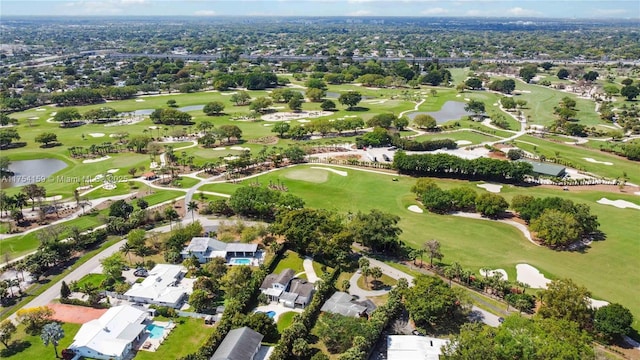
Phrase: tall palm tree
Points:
(191, 207)
(127, 250)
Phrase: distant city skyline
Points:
(618, 9)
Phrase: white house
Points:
(275, 284)
(402, 347)
(206, 248)
(112, 335)
(163, 287)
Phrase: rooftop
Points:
(546, 168)
(239, 344)
(342, 303)
(402, 347)
(112, 332)
(160, 284)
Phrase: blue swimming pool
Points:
(271, 314)
(240, 261)
(155, 331)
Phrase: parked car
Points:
(386, 158)
(500, 320)
(141, 273)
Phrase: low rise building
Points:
(239, 344)
(403, 347)
(162, 287)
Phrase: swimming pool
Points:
(240, 261)
(155, 331)
(271, 314)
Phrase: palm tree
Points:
(127, 250)
(52, 333)
(449, 273)
(191, 207)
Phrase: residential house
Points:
(275, 284)
(239, 344)
(344, 304)
(402, 347)
(112, 335)
(163, 287)
(207, 248)
(303, 291)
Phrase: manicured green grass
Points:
(20, 245)
(606, 268)
(34, 347)
(577, 154)
(290, 260)
(160, 196)
(186, 338)
(285, 320)
(92, 279)
(187, 182)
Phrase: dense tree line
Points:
(427, 145)
(558, 222)
(452, 166)
(262, 203)
(170, 117)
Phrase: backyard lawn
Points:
(285, 320)
(31, 346)
(290, 260)
(186, 338)
(92, 279)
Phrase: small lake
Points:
(335, 95)
(32, 171)
(191, 108)
(451, 110)
(147, 112)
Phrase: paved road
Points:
(54, 291)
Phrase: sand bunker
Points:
(490, 273)
(239, 148)
(531, 276)
(463, 142)
(88, 161)
(467, 99)
(620, 204)
(341, 173)
(41, 109)
(267, 124)
(53, 198)
(596, 304)
(314, 176)
(95, 135)
(598, 162)
(304, 121)
(229, 93)
(415, 209)
(219, 148)
(491, 187)
(112, 171)
(283, 116)
(458, 95)
(34, 118)
(231, 158)
(139, 100)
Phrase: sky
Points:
(579, 9)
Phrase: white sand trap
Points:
(54, 113)
(239, 148)
(415, 209)
(229, 93)
(267, 124)
(598, 162)
(41, 109)
(277, 107)
(53, 198)
(304, 121)
(88, 161)
(490, 273)
(491, 187)
(139, 100)
(596, 304)
(620, 204)
(351, 116)
(463, 142)
(231, 158)
(96, 135)
(467, 99)
(34, 118)
(637, 193)
(219, 148)
(531, 276)
(495, 104)
(112, 171)
(458, 95)
(341, 173)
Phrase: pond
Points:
(32, 171)
(191, 108)
(451, 110)
(335, 95)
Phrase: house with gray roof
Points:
(344, 304)
(275, 284)
(207, 248)
(284, 288)
(239, 344)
